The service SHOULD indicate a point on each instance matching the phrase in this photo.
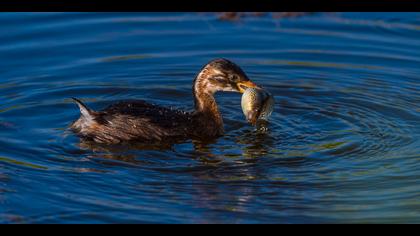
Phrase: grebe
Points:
(137, 120)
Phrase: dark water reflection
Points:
(342, 144)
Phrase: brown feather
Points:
(137, 120)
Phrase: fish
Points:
(257, 104)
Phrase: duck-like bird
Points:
(137, 120)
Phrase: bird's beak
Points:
(246, 84)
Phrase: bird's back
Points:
(133, 120)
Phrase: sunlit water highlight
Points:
(343, 143)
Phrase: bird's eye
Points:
(233, 78)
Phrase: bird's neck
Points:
(205, 106)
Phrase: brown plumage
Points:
(137, 120)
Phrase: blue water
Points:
(343, 143)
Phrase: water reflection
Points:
(341, 146)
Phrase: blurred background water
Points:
(343, 142)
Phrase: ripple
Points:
(341, 146)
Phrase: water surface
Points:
(343, 143)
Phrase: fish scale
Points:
(257, 104)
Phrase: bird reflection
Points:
(238, 172)
(127, 152)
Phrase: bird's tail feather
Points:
(84, 110)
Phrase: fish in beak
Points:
(244, 85)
